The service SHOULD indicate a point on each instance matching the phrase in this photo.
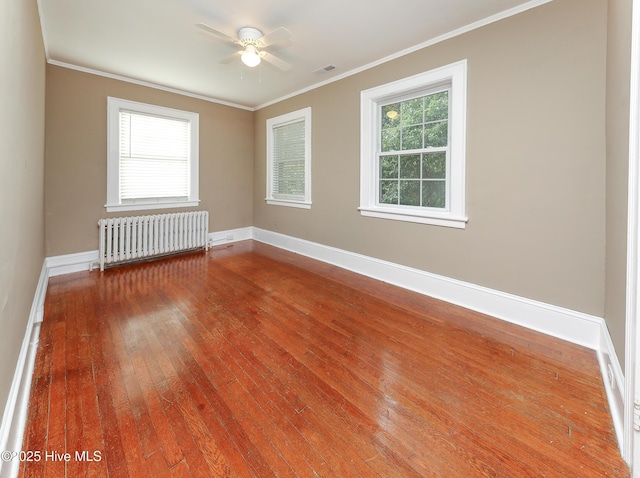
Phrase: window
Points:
(413, 148)
(152, 157)
(289, 159)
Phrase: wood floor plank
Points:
(252, 361)
(262, 390)
(38, 415)
(73, 381)
(329, 368)
(56, 428)
(295, 385)
(93, 443)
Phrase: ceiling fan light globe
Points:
(250, 56)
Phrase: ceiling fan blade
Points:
(276, 36)
(218, 33)
(275, 61)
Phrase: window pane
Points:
(289, 159)
(389, 192)
(411, 112)
(434, 165)
(289, 177)
(410, 166)
(412, 137)
(410, 193)
(390, 116)
(436, 107)
(436, 135)
(389, 167)
(390, 139)
(433, 193)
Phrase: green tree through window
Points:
(414, 138)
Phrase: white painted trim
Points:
(299, 205)
(431, 218)
(630, 444)
(575, 327)
(15, 413)
(230, 235)
(614, 382)
(70, 263)
(143, 206)
(460, 31)
(155, 86)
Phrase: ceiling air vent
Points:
(324, 69)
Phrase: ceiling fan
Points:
(252, 44)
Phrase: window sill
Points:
(150, 205)
(435, 219)
(300, 205)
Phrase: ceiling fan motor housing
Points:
(249, 36)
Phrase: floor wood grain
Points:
(252, 361)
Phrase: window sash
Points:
(413, 192)
(289, 168)
(422, 177)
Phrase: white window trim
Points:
(114, 204)
(304, 113)
(370, 100)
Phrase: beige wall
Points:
(535, 161)
(617, 118)
(22, 80)
(76, 157)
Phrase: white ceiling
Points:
(155, 41)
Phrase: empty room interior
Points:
(405, 236)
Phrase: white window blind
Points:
(289, 161)
(154, 156)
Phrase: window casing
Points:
(152, 156)
(289, 159)
(413, 148)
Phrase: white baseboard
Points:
(614, 382)
(229, 236)
(70, 263)
(14, 417)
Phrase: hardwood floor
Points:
(251, 361)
